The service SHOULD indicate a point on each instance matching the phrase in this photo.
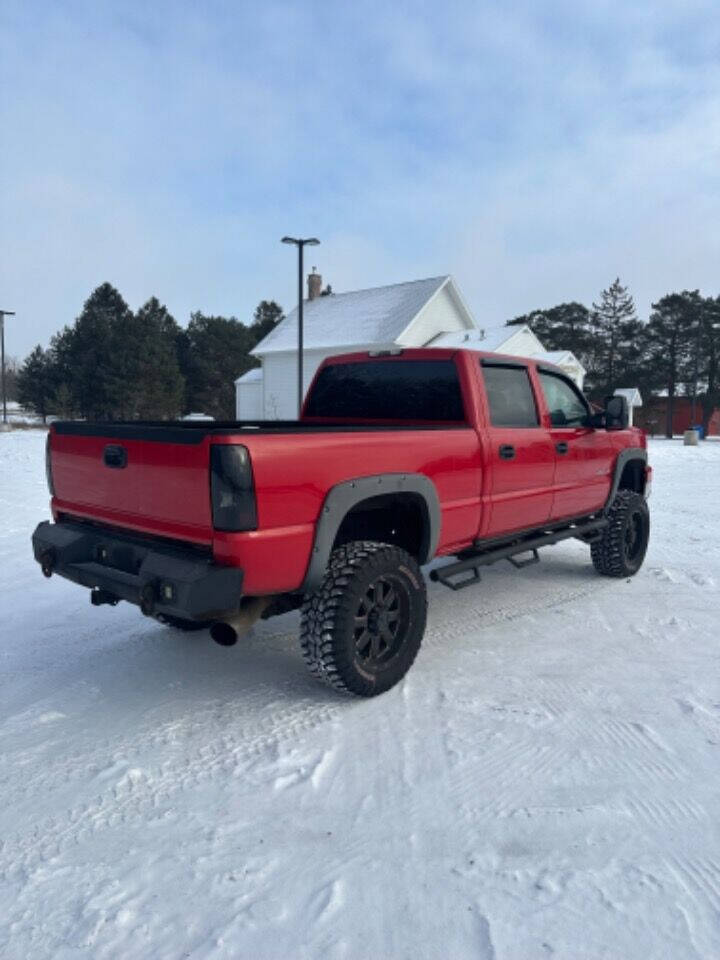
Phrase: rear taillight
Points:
(232, 489)
(48, 467)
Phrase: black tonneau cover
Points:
(194, 431)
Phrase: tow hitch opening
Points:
(100, 597)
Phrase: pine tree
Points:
(564, 327)
(267, 316)
(60, 355)
(99, 355)
(709, 353)
(160, 385)
(144, 379)
(35, 387)
(671, 335)
(213, 352)
(616, 333)
(124, 359)
(62, 401)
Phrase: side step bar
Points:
(587, 531)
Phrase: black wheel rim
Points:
(381, 622)
(634, 536)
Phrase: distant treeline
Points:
(116, 364)
(113, 363)
(677, 350)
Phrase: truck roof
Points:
(436, 353)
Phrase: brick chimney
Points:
(314, 282)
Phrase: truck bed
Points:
(163, 487)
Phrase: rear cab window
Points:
(388, 390)
(567, 406)
(511, 400)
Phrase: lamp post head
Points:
(310, 241)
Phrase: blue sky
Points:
(533, 150)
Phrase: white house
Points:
(401, 315)
(518, 341)
(248, 395)
(421, 313)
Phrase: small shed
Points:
(632, 395)
(249, 395)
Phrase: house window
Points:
(510, 396)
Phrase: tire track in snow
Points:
(501, 614)
(663, 813)
(699, 878)
(144, 791)
(511, 784)
(441, 627)
(628, 747)
(130, 790)
(244, 740)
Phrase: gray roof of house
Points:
(378, 315)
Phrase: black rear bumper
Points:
(160, 578)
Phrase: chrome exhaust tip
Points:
(228, 632)
(224, 633)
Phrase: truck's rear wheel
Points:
(621, 549)
(362, 629)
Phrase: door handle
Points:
(507, 451)
(561, 447)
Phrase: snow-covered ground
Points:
(545, 782)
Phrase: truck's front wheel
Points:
(621, 549)
(362, 629)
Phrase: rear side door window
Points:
(510, 396)
(567, 406)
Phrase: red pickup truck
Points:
(398, 457)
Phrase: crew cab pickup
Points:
(398, 458)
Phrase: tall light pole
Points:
(300, 244)
(3, 314)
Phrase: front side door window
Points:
(583, 454)
(567, 406)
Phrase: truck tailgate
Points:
(158, 484)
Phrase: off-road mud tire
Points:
(621, 549)
(362, 576)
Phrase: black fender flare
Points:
(624, 457)
(341, 498)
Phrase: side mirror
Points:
(616, 413)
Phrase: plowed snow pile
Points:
(545, 783)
